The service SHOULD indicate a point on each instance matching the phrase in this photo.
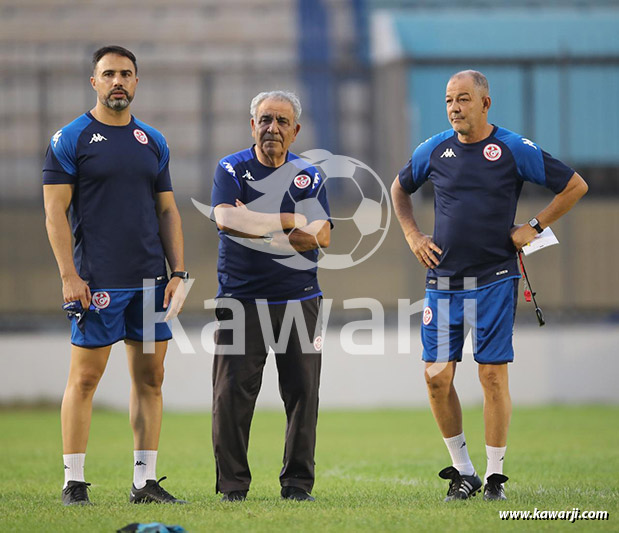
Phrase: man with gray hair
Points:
(257, 198)
(478, 170)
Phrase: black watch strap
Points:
(534, 223)
(183, 274)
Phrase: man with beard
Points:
(110, 171)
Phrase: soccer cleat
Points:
(494, 487)
(152, 492)
(460, 487)
(234, 496)
(296, 494)
(76, 493)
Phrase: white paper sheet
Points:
(542, 240)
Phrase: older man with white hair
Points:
(257, 194)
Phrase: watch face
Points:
(533, 222)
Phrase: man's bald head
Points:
(468, 103)
(480, 81)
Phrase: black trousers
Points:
(236, 383)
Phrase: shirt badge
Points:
(140, 136)
(302, 181)
(492, 152)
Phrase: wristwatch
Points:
(267, 238)
(534, 223)
(183, 274)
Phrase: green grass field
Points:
(376, 471)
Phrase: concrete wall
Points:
(575, 364)
(579, 274)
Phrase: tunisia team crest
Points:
(492, 152)
(318, 343)
(140, 136)
(101, 299)
(302, 181)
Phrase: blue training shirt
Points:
(476, 190)
(116, 172)
(247, 273)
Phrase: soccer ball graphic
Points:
(360, 208)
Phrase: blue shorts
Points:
(117, 314)
(448, 316)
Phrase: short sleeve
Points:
(163, 183)
(535, 165)
(416, 171)
(557, 173)
(540, 167)
(226, 186)
(406, 177)
(164, 154)
(60, 165)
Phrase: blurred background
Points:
(371, 75)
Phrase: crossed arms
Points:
(291, 231)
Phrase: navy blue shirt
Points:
(116, 172)
(476, 190)
(247, 273)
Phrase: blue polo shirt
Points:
(247, 273)
(116, 172)
(476, 190)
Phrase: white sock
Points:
(460, 454)
(495, 456)
(73, 467)
(144, 467)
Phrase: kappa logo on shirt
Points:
(316, 180)
(97, 137)
(448, 153)
(248, 176)
(529, 143)
(229, 168)
(56, 137)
